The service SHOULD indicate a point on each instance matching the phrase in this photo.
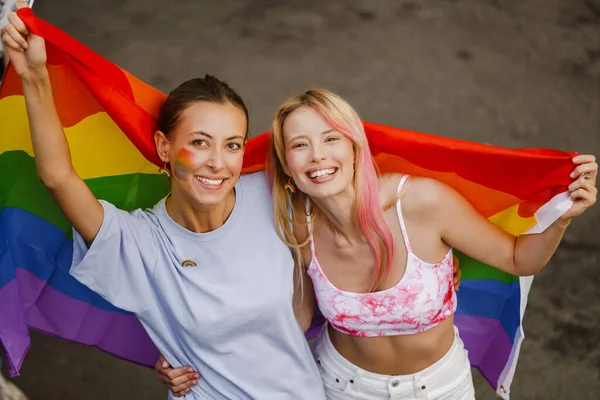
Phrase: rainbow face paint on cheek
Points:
(185, 163)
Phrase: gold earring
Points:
(289, 186)
(165, 171)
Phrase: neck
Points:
(339, 215)
(198, 218)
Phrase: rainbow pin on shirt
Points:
(188, 263)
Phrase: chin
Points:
(211, 198)
(322, 192)
(210, 201)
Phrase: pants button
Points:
(395, 383)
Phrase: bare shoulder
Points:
(424, 195)
(388, 189)
(419, 194)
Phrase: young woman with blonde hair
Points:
(378, 251)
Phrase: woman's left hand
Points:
(583, 190)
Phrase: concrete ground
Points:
(515, 73)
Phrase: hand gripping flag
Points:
(109, 118)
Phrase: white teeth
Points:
(320, 173)
(213, 182)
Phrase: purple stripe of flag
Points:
(48, 310)
(488, 345)
(14, 335)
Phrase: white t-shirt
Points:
(219, 301)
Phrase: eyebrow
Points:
(202, 133)
(322, 133)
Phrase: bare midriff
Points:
(396, 355)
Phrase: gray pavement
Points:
(515, 73)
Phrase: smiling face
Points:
(326, 162)
(319, 159)
(206, 151)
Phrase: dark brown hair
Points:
(209, 89)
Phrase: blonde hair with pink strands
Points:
(367, 209)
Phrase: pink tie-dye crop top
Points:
(422, 299)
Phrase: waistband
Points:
(325, 350)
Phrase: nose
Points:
(317, 153)
(215, 162)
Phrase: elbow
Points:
(50, 181)
(305, 325)
(529, 270)
(526, 269)
(53, 180)
(304, 318)
(520, 265)
(524, 272)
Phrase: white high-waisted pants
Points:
(448, 379)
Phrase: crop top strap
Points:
(310, 235)
(400, 218)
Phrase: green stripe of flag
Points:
(21, 188)
(472, 270)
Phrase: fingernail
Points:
(165, 364)
(575, 159)
(194, 382)
(572, 175)
(197, 376)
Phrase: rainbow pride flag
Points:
(109, 118)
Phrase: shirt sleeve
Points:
(119, 263)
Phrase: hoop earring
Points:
(165, 171)
(289, 186)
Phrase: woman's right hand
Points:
(27, 52)
(178, 380)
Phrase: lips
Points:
(321, 172)
(212, 183)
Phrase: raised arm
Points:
(27, 52)
(463, 228)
